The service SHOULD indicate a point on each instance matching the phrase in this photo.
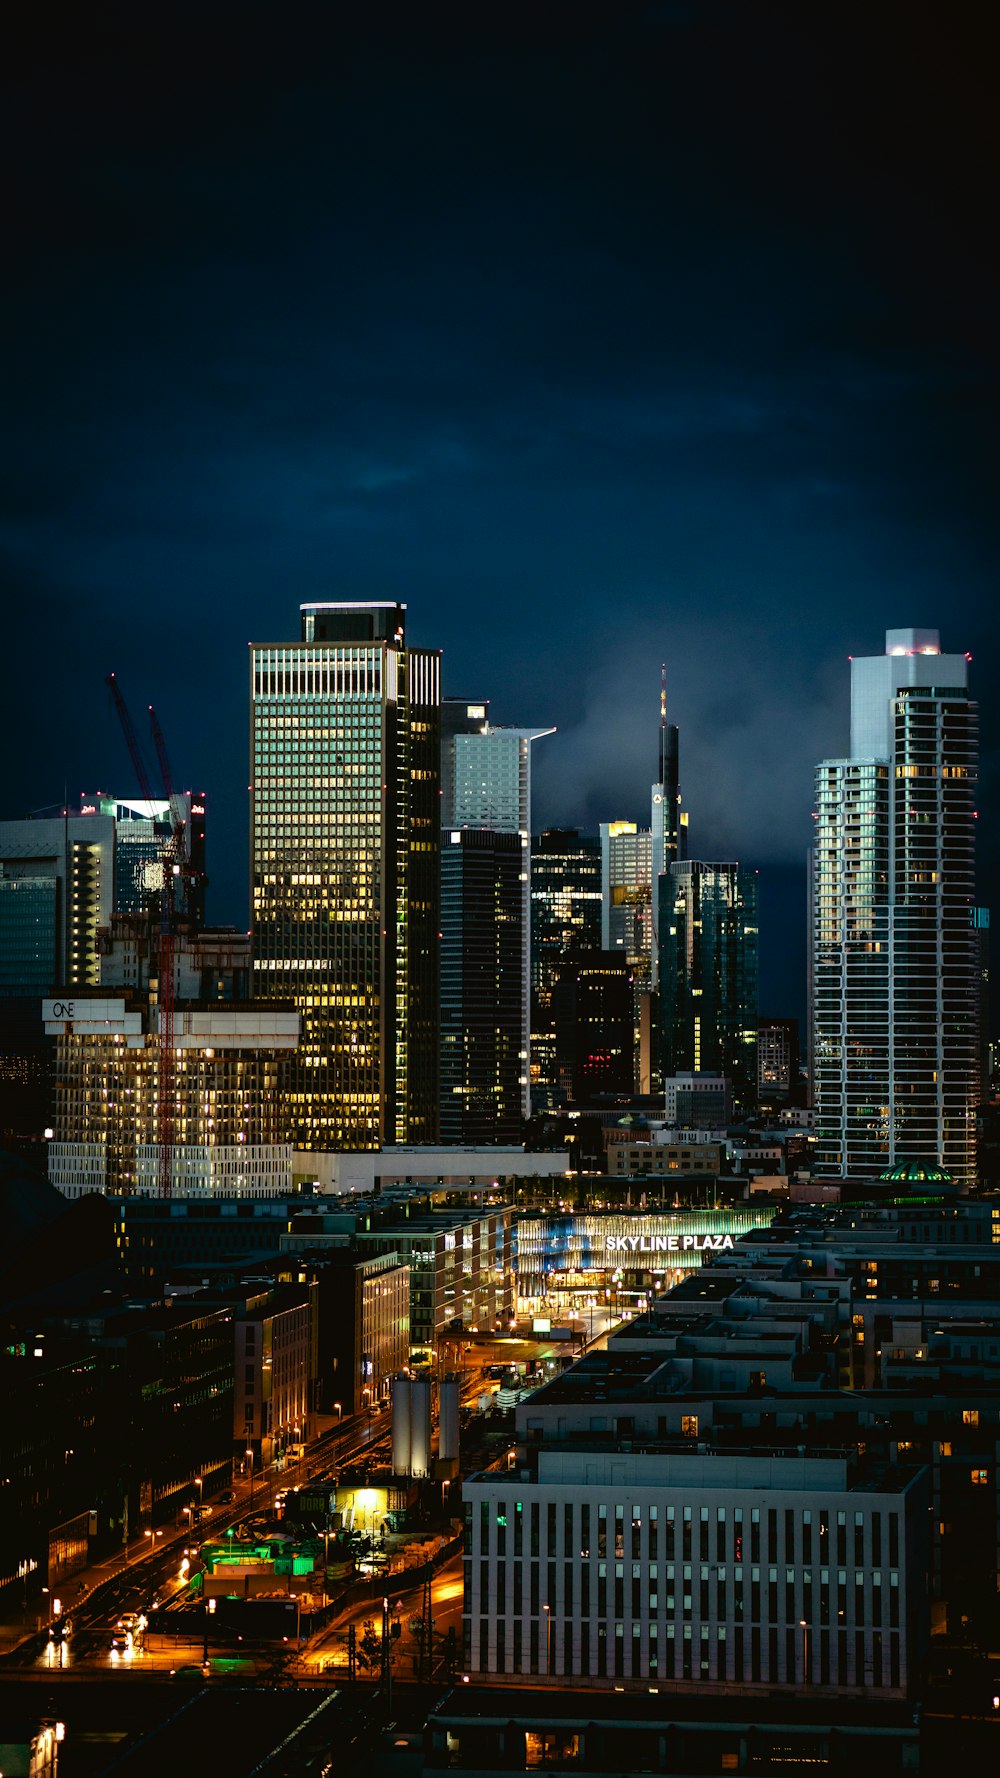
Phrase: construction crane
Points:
(172, 864)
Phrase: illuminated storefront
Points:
(572, 1257)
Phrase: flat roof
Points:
(497, 1705)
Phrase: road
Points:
(150, 1571)
(327, 1652)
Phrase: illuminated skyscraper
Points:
(482, 931)
(627, 924)
(708, 974)
(893, 982)
(345, 838)
(668, 821)
(565, 929)
(492, 790)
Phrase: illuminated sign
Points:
(668, 1244)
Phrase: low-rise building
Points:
(362, 1307)
(478, 1170)
(633, 1160)
(461, 1261)
(749, 1570)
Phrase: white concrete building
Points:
(895, 982)
(716, 1570)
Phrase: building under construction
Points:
(227, 1055)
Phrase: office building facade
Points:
(459, 716)
(728, 1570)
(482, 949)
(491, 770)
(565, 929)
(62, 877)
(593, 1011)
(894, 984)
(228, 1072)
(627, 925)
(777, 1060)
(709, 974)
(345, 841)
(668, 819)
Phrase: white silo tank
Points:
(448, 1420)
(401, 1424)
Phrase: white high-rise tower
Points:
(894, 989)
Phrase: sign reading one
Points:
(668, 1243)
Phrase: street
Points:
(327, 1652)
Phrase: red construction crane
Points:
(172, 863)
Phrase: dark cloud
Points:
(601, 334)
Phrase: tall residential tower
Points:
(894, 986)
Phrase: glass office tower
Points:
(708, 974)
(894, 980)
(492, 789)
(345, 838)
(482, 943)
(566, 904)
(627, 926)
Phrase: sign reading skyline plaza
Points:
(696, 1243)
(580, 1250)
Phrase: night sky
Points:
(599, 334)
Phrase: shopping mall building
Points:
(569, 1263)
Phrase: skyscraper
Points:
(345, 845)
(492, 790)
(565, 928)
(708, 974)
(592, 1009)
(627, 923)
(459, 716)
(894, 987)
(668, 821)
(481, 945)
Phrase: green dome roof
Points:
(916, 1173)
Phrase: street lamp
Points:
(249, 1455)
(804, 1627)
(340, 1411)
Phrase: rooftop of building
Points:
(703, 1287)
(497, 1706)
(679, 1462)
(137, 1206)
(120, 1318)
(917, 1172)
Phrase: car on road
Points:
(126, 1637)
(227, 1498)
